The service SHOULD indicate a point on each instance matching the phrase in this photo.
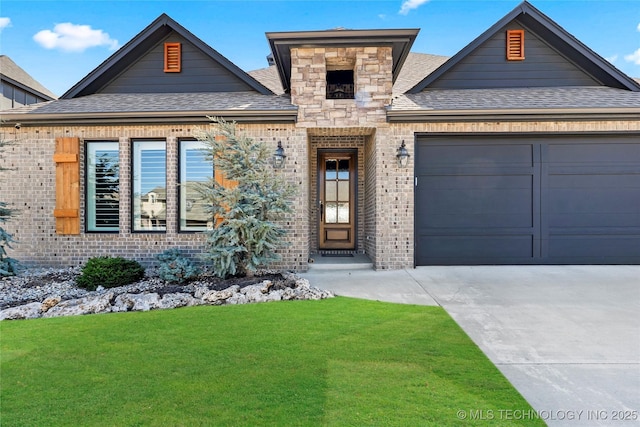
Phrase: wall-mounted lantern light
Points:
(279, 157)
(402, 156)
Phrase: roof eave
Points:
(547, 114)
(201, 116)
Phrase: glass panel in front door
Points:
(337, 191)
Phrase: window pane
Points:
(331, 213)
(330, 168)
(149, 186)
(194, 170)
(343, 191)
(330, 191)
(103, 186)
(343, 213)
(343, 169)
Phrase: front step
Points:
(339, 261)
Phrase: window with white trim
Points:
(195, 170)
(103, 186)
(149, 185)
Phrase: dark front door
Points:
(337, 175)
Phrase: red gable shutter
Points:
(67, 211)
(172, 57)
(515, 45)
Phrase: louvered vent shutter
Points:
(172, 57)
(515, 45)
(67, 211)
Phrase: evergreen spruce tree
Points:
(8, 265)
(248, 209)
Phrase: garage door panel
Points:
(477, 201)
(496, 249)
(462, 156)
(594, 151)
(597, 249)
(593, 201)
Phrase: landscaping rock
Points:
(50, 302)
(27, 311)
(136, 302)
(218, 297)
(53, 293)
(179, 300)
(80, 306)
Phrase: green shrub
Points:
(176, 268)
(109, 272)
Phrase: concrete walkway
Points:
(567, 337)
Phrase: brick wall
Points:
(385, 218)
(30, 188)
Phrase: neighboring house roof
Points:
(12, 73)
(281, 43)
(567, 46)
(119, 66)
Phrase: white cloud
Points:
(74, 38)
(408, 5)
(4, 23)
(613, 58)
(638, 27)
(634, 57)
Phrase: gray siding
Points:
(487, 67)
(13, 97)
(199, 73)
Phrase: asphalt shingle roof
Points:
(159, 102)
(518, 98)
(414, 70)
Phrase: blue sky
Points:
(59, 42)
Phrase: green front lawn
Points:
(336, 362)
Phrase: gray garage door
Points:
(527, 200)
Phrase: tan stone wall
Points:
(30, 188)
(372, 78)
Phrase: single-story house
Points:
(18, 88)
(523, 148)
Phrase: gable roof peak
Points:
(138, 45)
(574, 50)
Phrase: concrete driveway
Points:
(567, 337)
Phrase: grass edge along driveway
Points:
(335, 362)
